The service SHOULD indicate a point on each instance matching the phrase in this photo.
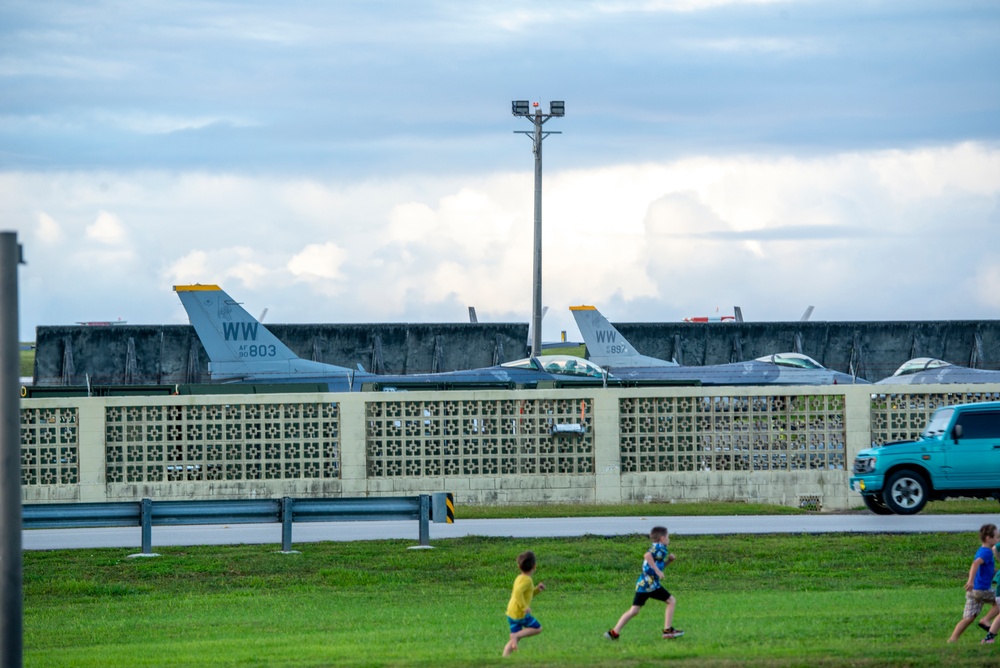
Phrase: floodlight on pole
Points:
(521, 108)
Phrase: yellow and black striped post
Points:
(443, 508)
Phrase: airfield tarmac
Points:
(311, 532)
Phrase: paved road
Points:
(51, 539)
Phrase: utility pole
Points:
(11, 572)
(521, 108)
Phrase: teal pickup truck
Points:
(958, 454)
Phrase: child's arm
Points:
(972, 572)
(652, 564)
(539, 587)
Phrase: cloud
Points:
(190, 269)
(355, 161)
(750, 46)
(650, 241)
(412, 222)
(249, 268)
(64, 67)
(677, 228)
(49, 232)
(144, 123)
(472, 221)
(249, 274)
(319, 263)
(106, 229)
(985, 285)
(369, 90)
(701, 5)
(786, 233)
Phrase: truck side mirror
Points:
(956, 432)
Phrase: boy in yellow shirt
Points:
(519, 618)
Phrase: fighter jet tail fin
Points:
(238, 345)
(605, 344)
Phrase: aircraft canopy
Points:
(563, 365)
(920, 364)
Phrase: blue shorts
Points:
(527, 622)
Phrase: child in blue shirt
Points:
(648, 586)
(978, 588)
(994, 629)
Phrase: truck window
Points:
(976, 425)
(938, 423)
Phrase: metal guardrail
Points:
(146, 513)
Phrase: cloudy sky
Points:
(357, 161)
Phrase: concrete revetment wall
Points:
(789, 446)
(172, 354)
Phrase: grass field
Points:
(657, 509)
(27, 362)
(827, 600)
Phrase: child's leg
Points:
(991, 614)
(511, 645)
(960, 627)
(629, 614)
(668, 616)
(973, 606)
(994, 627)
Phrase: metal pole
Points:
(286, 524)
(11, 573)
(536, 293)
(520, 109)
(146, 520)
(425, 514)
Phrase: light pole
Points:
(11, 568)
(521, 108)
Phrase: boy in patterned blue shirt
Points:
(648, 586)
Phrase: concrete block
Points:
(414, 486)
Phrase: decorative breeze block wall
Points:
(901, 417)
(732, 433)
(251, 441)
(50, 446)
(478, 437)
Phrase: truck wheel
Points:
(905, 493)
(875, 504)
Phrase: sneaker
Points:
(672, 633)
(990, 639)
(611, 635)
